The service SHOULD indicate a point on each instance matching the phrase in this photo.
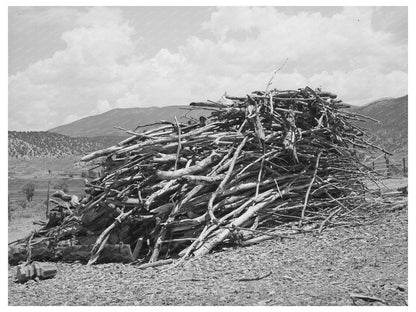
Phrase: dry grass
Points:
(21, 216)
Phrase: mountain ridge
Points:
(392, 131)
(28, 144)
(129, 118)
(97, 132)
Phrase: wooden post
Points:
(47, 196)
(404, 167)
(386, 158)
(374, 165)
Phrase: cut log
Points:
(27, 271)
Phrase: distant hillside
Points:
(129, 118)
(47, 144)
(392, 132)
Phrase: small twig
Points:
(192, 280)
(47, 196)
(178, 151)
(254, 162)
(278, 188)
(249, 279)
(29, 249)
(179, 240)
(242, 126)
(309, 189)
(274, 73)
(155, 264)
(328, 218)
(233, 227)
(224, 182)
(162, 122)
(366, 298)
(260, 171)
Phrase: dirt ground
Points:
(330, 268)
(39, 167)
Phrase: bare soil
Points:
(369, 258)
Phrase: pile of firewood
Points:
(240, 175)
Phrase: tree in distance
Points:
(29, 190)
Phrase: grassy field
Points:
(39, 167)
(22, 213)
(64, 172)
(74, 185)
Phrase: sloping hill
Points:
(392, 131)
(48, 144)
(103, 124)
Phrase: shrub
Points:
(22, 203)
(29, 190)
(11, 209)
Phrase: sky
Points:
(66, 63)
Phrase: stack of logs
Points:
(255, 164)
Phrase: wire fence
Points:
(389, 167)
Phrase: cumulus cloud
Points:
(75, 81)
(102, 67)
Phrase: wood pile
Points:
(240, 175)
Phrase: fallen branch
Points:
(366, 298)
(249, 279)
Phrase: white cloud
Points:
(362, 85)
(312, 42)
(102, 66)
(77, 80)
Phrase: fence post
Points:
(404, 167)
(386, 158)
(47, 196)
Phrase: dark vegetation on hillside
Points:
(391, 132)
(48, 144)
(97, 132)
